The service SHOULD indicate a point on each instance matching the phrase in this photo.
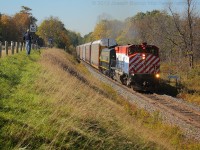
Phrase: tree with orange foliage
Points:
(13, 28)
(23, 20)
(8, 28)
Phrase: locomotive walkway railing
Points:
(12, 48)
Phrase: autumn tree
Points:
(176, 34)
(12, 28)
(23, 20)
(75, 38)
(100, 30)
(107, 29)
(186, 29)
(88, 38)
(8, 28)
(53, 28)
(127, 34)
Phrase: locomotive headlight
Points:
(157, 75)
(143, 56)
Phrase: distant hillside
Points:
(50, 101)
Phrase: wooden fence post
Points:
(12, 47)
(23, 45)
(17, 47)
(0, 49)
(6, 47)
(20, 46)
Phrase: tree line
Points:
(177, 35)
(12, 28)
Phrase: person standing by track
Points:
(27, 39)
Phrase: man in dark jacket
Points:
(27, 38)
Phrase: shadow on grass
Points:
(173, 89)
(163, 88)
(22, 135)
(168, 89)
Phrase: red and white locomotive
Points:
(136, 66)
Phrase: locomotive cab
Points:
(144, 49)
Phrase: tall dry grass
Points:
(58, 104)
(86, 111)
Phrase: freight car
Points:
(90, 52)
(136, 66)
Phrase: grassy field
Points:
(189, 85)
(50, 101)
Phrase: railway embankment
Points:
(50, 101)
(174, 111)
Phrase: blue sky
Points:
(82, 15)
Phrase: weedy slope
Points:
(50, 101)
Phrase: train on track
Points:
(136, 66)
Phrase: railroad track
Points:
(182, 110)
(172, 110)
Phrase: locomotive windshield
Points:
(132, 50)
(139, 49)
(152, 50)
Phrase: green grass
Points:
(188, 85)
(43, 105)
(17, 74)
(191, 86)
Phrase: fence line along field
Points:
(10, 48)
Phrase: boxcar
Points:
(78, 52)
(81, 51)
(88, 52)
